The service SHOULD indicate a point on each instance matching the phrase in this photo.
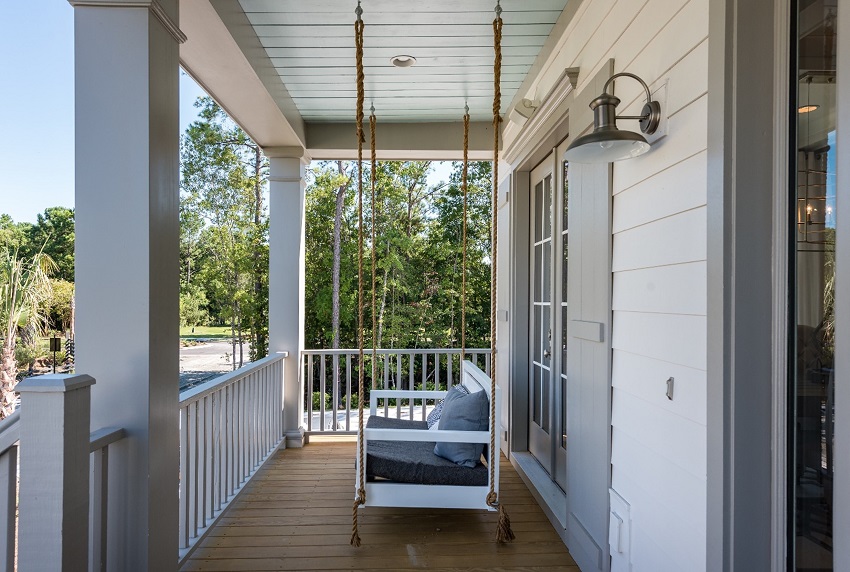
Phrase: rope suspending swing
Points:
(361, 486)
(503, 531)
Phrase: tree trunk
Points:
(383, 300)
(233, 336)
(8, 370)
(241, 341)
(73, 314)
(340, 203)
(258, 313)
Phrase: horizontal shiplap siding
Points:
(659, 270)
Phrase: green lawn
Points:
(205, 332)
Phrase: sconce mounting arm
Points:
(650, 115)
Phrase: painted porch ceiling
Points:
(310, 43)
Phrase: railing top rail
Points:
(10, 431)
(200, 391)
(105, 436)
(394, 351)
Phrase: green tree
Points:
(58, 308)
(24, 285)
(53, 233)
(224, 225)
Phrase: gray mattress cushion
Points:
(415, 461)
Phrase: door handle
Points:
(547, 353)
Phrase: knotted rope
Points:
(360, 499)
(372, 127)
(503, 531)
(463, 263)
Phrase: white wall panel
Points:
(673, 190)
(659, 269)
(646, 378)
(675, 289)
(673, 240)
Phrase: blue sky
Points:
(37, 99)
(37, 94)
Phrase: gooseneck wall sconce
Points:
(607, 143)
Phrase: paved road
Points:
(205, 361)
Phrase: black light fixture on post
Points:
(607, 143)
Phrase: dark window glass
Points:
(812, 285)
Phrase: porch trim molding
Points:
(548, 117)
(779, 329)
(153, 5)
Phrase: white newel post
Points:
(53, 529)
(286, 276)
(127, 261)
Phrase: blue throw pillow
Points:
(434, 417)
(464, 413)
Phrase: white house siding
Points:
(659, 269)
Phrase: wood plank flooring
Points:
(296, 515)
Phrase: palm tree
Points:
(24, 284)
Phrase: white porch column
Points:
(127, 248)
(54, 497)
(287, 167)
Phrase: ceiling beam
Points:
(215, 58)
(401, 141)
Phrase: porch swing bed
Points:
(402, 468)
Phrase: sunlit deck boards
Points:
(296, 515)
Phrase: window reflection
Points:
(813, 285)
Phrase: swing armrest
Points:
(378, 394)
(407, 394)
(443, 436)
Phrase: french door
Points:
(548, 286)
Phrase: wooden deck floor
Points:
(296, 515)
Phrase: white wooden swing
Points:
(382, 493)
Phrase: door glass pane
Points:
(538, 211)
(546, 327)
(563, 412)
(538, 273)
(536, 394)
(566, 249)
(545, 401)
(547, 207)
(535, 333)
(566, 171)
(813, 285)
(547, 271)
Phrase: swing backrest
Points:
(475, 380)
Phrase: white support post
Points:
(127, 261)
(53, 529)
(286, 276)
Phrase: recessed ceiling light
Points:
(402, 61)
(807, 108)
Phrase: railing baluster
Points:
(8, 505)
(487, 360)
(410, 374)
(308, 385)
(209, 414)
(335, 391)
(98, 509)
(424, 381)
(348, 392)
(184, 477)
(322, 393)
(449, 381)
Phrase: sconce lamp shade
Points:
(607, 143)
(606, 146)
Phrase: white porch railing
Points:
(10, 491)
(229, 427)
(329, 377)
